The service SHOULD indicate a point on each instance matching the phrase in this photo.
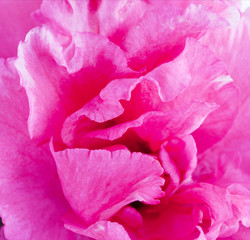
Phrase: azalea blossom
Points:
(124, 120)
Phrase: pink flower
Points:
(129, 122)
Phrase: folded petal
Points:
(53, 93)
(32, 202)
(241, 200)
(167, 124)
(218, 123)
(201, 211)
(221, 209)
(102, 230)
(98, 183)
(96, 53)
(231, 45)
(160, 34)
(194, 85)
(227, 162)
(178, 158)
(67, 16)
(242, 234)
(210, 82)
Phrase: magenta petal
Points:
(211, 83)
(107, 105)
(242, 234)
(102, 230)
(111, 179)
(32, 202)
(130, 217)
(218, 216)
(241, 200)
(117, 17)
(235, 53)
(120, 101)
(172, 222)
(179, 122)
(178, 157)
(195, 84)
(237, 139)
(166, 124)
(41, 77)
(202, 236)
(15, 22)
(160, 34)
(227, 162)
(52, 92)
(218, 123)
(95, 51)
(173, 77)
(70, 16)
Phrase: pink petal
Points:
(173, 77)
(15, 22)
(140, 95)
(32, 202)
(129, 216)
(236, 144)
(172, 222)
(241, 200)
(69, 16)
(216, 206)
(160, 34)
(116, 18)
(102, 230)
(202, 236)
(184, 114)
(200, 211)
(166, 124)
(52, 92)
(218, 123)
(206, 80)
(210, 82)
(2, 236)
(111, 179)
(235, 53)
(178, 158)
(242, 234)
(228, 161)
(177, 123)
(96, 53)
(108, 18)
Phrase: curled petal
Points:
(53, 93)
(242, 234)
(102, 230)
(112, 179)
(166, 124)
(178, 157)
(221, 209)
(32, 202)
(160, 34)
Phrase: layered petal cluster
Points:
(134, 125)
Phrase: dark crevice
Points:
(137, 205)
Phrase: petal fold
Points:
(32, 202)
(111, 178)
